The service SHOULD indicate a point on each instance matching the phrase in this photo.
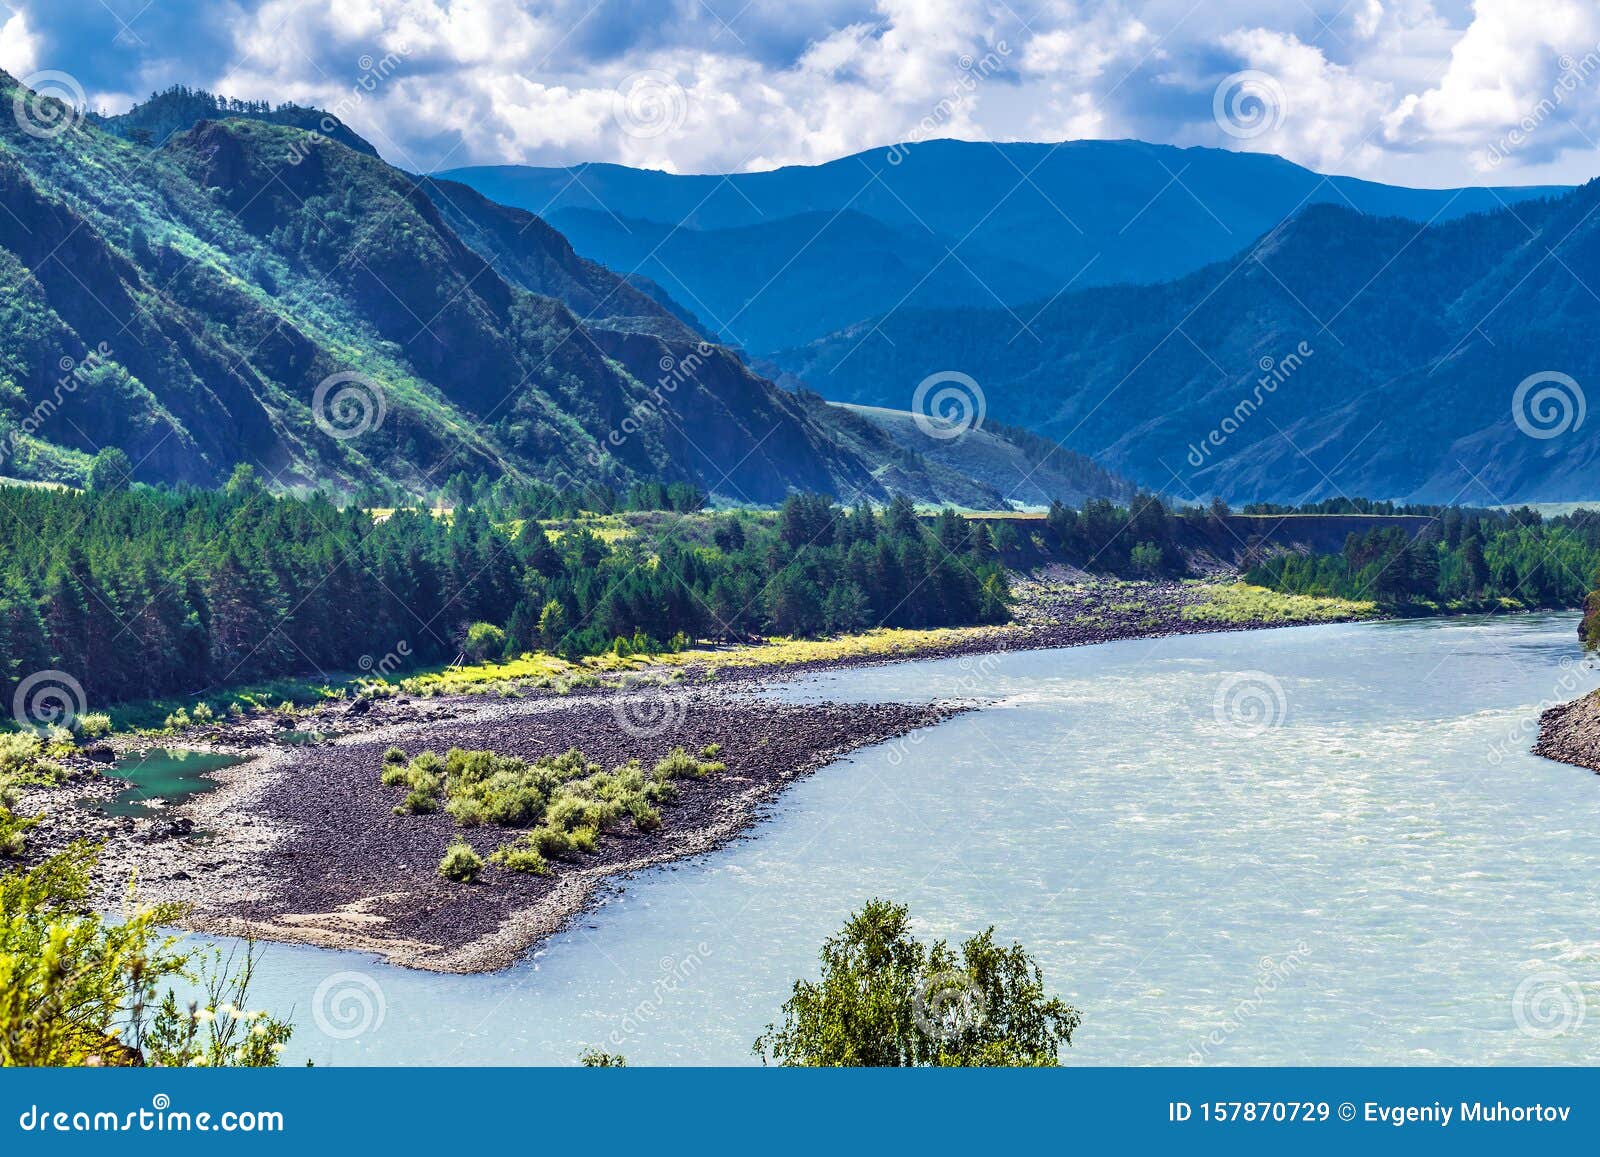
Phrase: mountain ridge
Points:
(1416, 340)
(1009, 224)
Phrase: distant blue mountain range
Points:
(774, 260)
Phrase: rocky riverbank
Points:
(301, 843)
(1570, 733)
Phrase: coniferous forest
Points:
(143, 592)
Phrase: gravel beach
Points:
(301, 843)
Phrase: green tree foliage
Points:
(484, 641)
(110, 470)
(149, 591)
(1465, 557)
(79, 989)
(887, 999)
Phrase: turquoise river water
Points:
(1322, 845)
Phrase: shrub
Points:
(13, 833)
(92, 725)
(565, 802)
(23, 762)
(461, 863)
(679, 764)
(484, 641)
(83, 990)
(394, 755)
(520, 857)
(417, 803)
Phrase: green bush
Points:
(82, 990)
(23, 762)
(461, 863)
(393, 756)
(92, 725)
(520, 857)
(565, 802)
(484, 641)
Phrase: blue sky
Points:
(1422, 92)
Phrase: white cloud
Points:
(1329, 113)
(1393, 89)
(1529, 63)
(19, 47)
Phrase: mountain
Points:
(1021, 466)
(776, 259)
(248, 291)
(180, 108)
(1341, 353)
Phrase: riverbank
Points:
(301, 843)
(1570, 733)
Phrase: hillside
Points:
(779, 258)
(1023, 468)
(1341, 353)
(249, 292)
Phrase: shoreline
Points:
(1570, 733)
(299, 844)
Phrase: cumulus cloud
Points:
(1524, 69)
(19, 48)
(1329, 112)
(1386, 88)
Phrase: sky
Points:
(1419, 92)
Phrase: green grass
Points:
(564, 803)
(1243, 603)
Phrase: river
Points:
(1319, 845)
